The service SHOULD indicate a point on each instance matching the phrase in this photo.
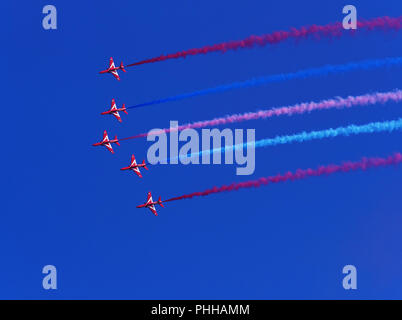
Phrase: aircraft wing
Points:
(116, 75)
(133, 162)
(117, 115)
(109, 147)
(149, 198)
(111, 63)
(137, 171)
(113, 106)
(105, 137)
(152, 208)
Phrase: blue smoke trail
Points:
(302, 74)
(386, 126)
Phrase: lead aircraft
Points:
(106, 142)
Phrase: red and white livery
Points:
(107, 143)
(150, 204)
(115, 111)
(113, 69)
(135, 167)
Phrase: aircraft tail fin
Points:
(160, 202)
(122, 66)
(117, 141)
(124, 108)
(145, 166)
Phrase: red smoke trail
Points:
(316, 31)
(363, 164)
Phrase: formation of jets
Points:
(134, 166)
(115, 111)
(113, 69)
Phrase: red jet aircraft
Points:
(113, 69)
(135, 167)
(115, 111)
(150, 204)
(107, 143)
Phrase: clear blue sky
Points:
(67, 203)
